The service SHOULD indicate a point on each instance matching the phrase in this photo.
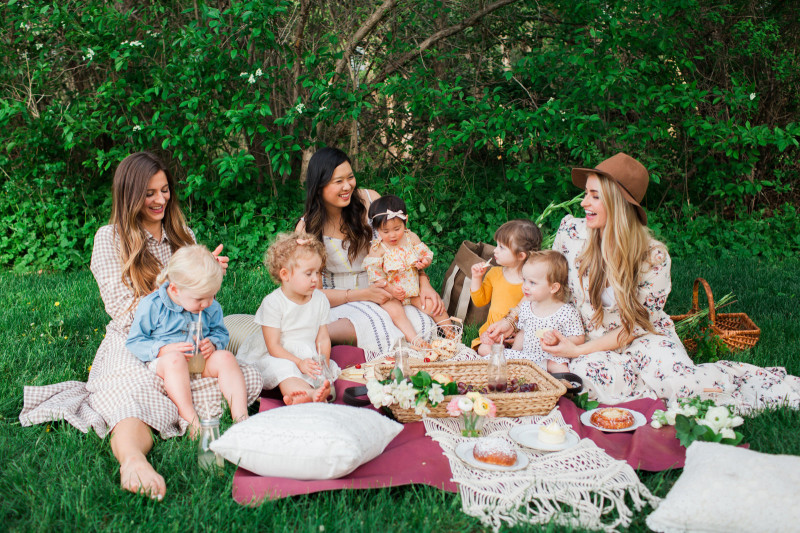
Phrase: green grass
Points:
(52, 477)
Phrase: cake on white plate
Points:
(552, 433)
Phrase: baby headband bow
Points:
(391, 214)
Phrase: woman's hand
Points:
(221, 259)
(500, 329)
(309, 367)
(431, 301)
(554, 342)
(376, 294)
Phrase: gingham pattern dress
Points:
(120, 386)
(657, 365)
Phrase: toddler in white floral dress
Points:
(544, 308)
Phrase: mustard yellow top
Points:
(501, 294)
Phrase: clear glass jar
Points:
(497, 371)
(195, 334)
(209, 432)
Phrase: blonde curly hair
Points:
(288, 248)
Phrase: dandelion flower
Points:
(57, 304)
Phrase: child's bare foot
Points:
(296, 397)
(321, 394)
(138, 476)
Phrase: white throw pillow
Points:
(307, 441)
(727, 489)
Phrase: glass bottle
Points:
(196, 363)
(497, 371)
(209, 432)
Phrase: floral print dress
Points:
(657, 365)
(396, 265)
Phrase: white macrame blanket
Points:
(580, 487)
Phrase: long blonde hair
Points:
(140, 268)
(615, 256)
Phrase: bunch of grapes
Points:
(514, 385)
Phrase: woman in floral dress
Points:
(620, 279)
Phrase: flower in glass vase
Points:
(474, 408)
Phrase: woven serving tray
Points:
(509, 405)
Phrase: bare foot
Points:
(138, 476)
(296, 397)
(321, 394)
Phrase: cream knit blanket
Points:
(580, 487)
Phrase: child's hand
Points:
(206, 348)
(479, 269)
(548, 337)
(397, 292)
(423, 263)
(183, 347)
(380, 283)
(309, 367)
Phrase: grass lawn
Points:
(52, 477)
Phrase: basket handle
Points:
(712, 314)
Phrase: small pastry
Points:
(612, 418)
(494, 451)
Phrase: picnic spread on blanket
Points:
(588, 481)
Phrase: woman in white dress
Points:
(336, 213)
(619, 277)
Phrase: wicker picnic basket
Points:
(514, 404)
(736, 330)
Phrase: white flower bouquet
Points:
(416, 391)
(696, 419)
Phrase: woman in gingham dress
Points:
(620, 279)
(336, 213)
(121, 394)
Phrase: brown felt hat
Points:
(630, 176)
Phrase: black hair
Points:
(357, 232)
(378, 209)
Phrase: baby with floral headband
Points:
(394, 262)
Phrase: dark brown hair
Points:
(520, 236)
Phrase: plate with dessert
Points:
(613, 419)
(491, 453)
(545, 437)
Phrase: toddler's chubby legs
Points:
(296, 390)
(442, 319)
(174, 370)
(222, 365)
(396, 312)
(555, 367)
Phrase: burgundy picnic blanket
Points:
(413, 457)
